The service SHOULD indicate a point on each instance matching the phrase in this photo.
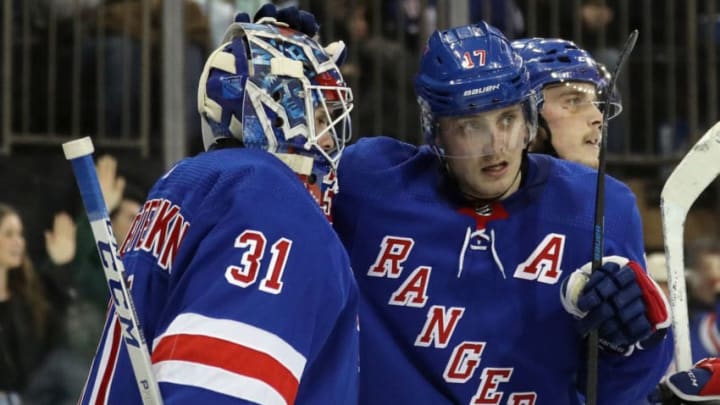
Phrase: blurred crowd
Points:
(52, 305)
(98, 55)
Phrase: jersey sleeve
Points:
(264, 294)
(627, 379)
(258, 306)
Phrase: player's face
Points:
(484, 151)
(322, 121)
(571, 113)
(12, 242)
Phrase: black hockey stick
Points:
(599, 223)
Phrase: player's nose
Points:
(595, 117)
(326, 142)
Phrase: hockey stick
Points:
(79, 153)
(699, 167)
(599, 223)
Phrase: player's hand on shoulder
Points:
(619, 300)
(298, 20)
(293, 17)
(699, 385)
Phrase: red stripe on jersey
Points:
(109, 368)
(229, 356)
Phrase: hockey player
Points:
(472, 255)
(568, 83)
(243, 290)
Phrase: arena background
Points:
(125, 73)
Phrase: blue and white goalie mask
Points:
(276, 89)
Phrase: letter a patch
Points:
(544, 263)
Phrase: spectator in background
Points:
(596, 17)
(77, 288)
(702, 262)
(402, 20)
(503, 14)
(25, 318)
(121, 23)
(61, 375)
(699, 385)
(380, 79)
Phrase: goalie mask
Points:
(276, 89)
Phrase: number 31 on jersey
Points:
(246, 274)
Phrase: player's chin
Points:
(593, 163)
(590, 156)
(488, 187)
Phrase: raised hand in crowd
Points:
(60, 243)
(112, 185)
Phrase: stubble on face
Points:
(574, 122)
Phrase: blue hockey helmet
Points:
(471, 69)
(276, 89)
(554, 60)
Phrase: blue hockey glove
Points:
(620, 300)
(700, 385)
(299, 20)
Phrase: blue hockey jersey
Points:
(243, 290)
(461, 305)
(704, 334)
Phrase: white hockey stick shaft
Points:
(699, 167)
(79, 153)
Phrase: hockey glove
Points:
(700, 385)
(298, 20)
(620, 300)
